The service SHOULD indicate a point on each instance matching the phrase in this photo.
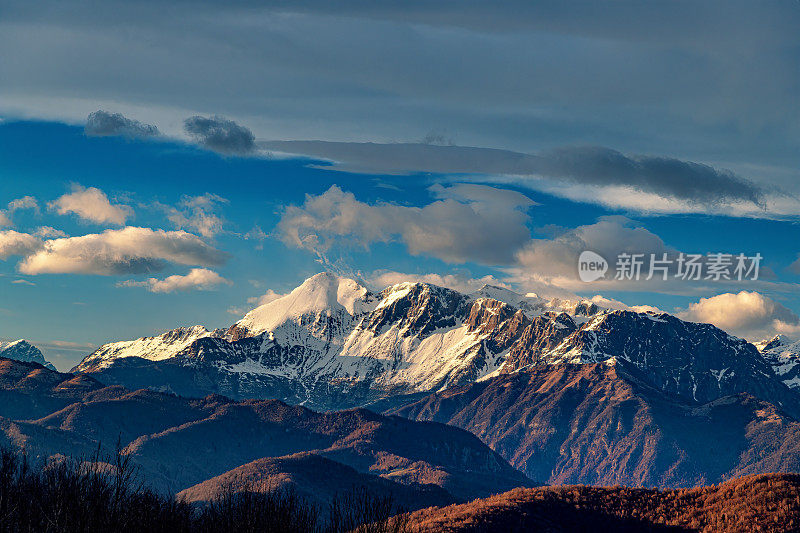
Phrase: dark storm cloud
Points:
(103, 124)
(220, 134)
(664, 176)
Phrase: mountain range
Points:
(184, 444)
(423, 392)
(333, 344)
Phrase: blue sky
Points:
(465, 145)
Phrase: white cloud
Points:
(255, 301)
(256, 234)
(747, 314)
(47, 232)
(93, 205)
(555, 261)
(458, 282)
(267, 297)
(16, 243)
(129, 250)
(196, 279)
(610, 303)
(465, 223)
(198, 213)
(26, 202)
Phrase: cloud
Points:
(103, 124)
(747, 314)
(795, 266)
(256, 234)
(702, 81)
(465, 223)
(255, 301)
(459, 282)
(91, 204)
(610, 303)
(15, 243)
(26, 202)
(664, 176)
(198, 213)
(220, 134)
(130, 250)
(557, 258)
(22, 282)
(686, 183)
(47, 232)
(267, 297)
(197, 279)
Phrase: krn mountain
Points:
(332, 344)
(566, 392)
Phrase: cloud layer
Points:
(684, 181)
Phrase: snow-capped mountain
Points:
(783, 354)
(697, 362)
(332, 343)
(156, 348)
(22, 350)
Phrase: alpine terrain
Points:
(331, 344)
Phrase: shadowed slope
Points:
(601, 424)
(315, 478)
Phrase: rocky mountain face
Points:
(607, 424)
(333, 344)
(696, 362)
(22, 350)
(179, 443)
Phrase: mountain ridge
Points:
(332, 344)
(181, 442)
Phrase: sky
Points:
(176, 165)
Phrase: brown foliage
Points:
(764, 503)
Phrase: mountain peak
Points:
(775, 342)
(22, 350)
(319, 293)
